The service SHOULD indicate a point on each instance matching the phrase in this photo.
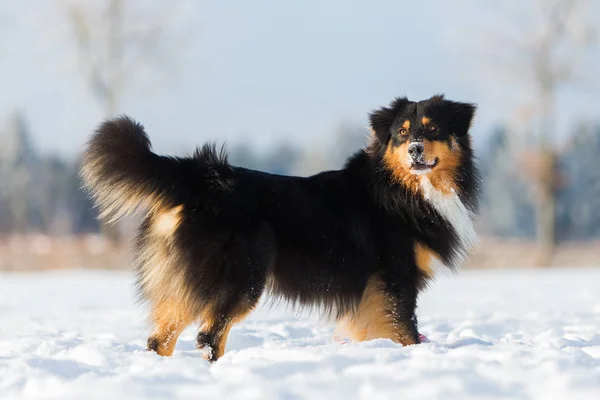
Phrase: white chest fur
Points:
(454, 211)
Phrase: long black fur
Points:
(314, 241)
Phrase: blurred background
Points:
(288, 85)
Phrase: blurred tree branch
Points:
(113, 46)
(549, 49)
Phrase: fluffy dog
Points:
(358, 243)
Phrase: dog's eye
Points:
(402, 131)
(431, 128)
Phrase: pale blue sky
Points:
(263, 71)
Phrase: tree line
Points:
(42, 193)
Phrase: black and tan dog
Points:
(359, 243)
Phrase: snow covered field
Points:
(494, 334)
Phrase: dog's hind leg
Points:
(170, 318)
(215, 329)
(234, 287)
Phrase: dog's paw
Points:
(153, 344)
(203, 339)
(204, 342)
(209, 354)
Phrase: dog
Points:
(358, 243)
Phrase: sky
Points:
(263, 72)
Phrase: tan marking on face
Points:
(425, 120)
(406, 125)
(443, 175)
(375, 317)
(166, 222)
(397, 161)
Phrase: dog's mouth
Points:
(422, 166)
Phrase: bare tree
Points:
(115, 43)
(17, 162)
(562, 28)
(541, 45)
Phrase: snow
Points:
(510, 334)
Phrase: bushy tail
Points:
(123, 174)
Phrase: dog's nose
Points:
(415, 150)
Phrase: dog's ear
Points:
(461, 116)
(382, 119)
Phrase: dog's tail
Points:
(123, 175)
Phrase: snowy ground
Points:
(503, 334)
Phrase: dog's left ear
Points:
(382, 119)
(462, 116)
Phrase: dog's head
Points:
(425, 138)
